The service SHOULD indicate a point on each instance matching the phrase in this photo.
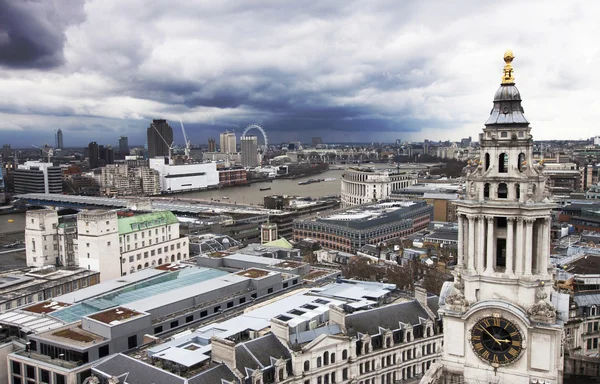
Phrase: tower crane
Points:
(188, 143)
(47, 150)
(170, 146)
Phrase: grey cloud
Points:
(32, 32)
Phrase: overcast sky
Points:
(343, 70)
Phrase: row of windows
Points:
(20, 375)
(50, 292)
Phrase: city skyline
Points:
(351, 72)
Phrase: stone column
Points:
(490, 244)
(460, 256)
(509, 245)
(471, 258)
(545, 252)
(528, 245)
(519, 247)
(481, 245)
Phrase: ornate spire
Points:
(508, 78)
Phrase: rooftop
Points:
(135, 223)
(45, 307)
(367, 217)
(152, 288)
(254, 273)
(115, 316)
(27, 281)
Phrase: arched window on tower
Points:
(487, 161)
(486, 191)
(502, 191)
(518, 191)
(503, 163)
(521, 162)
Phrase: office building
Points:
(33, 285)
(70, 334)
(249, 151)
(123, 145)
(350, 229)
(59, 140)
(212, 145)
(185, 177)
(38, 177)
(2, 185)
(6, 152)
(116, 244)
(499, 318)
(160, 138)
(369, 185)
(330, 335)
(228, 142)
(93, 155)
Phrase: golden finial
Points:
(508, 78)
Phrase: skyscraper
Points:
(6, 152)
(123, 145)
(59, 139)
(93, 155)
(160, 138)
(228, 142)
(212, 145)
(249, 146)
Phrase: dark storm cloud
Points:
(349, 70)
(32, 32)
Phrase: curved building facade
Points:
(367, 185)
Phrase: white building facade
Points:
(365, 185)
(186, 177)
(116, 246)
(499, 323)
(228, 142)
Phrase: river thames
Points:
(253, 195)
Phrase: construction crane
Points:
(47, 150)
(170, 146)
(188, 143)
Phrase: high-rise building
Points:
(106, 154)
(249, 146)
(123, 145)
(228, 142)
(2, 186)
(37, 177)
(160, 138)
(499, 323)
(212, 145)
(6, 152)
(93, 155)
(59, 139)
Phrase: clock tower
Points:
(499, 324)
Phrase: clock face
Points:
(496, 340)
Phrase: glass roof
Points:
(142, 290)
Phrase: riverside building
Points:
(368, 185)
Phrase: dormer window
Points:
(593, 310)
(503, 134)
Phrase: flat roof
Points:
(254, 318)
(108, 286)
(154, 289)
(355, 290)
(30, 322)
(115, 316)
(213, 282)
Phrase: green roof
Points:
(281, 243)
(136, 223)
